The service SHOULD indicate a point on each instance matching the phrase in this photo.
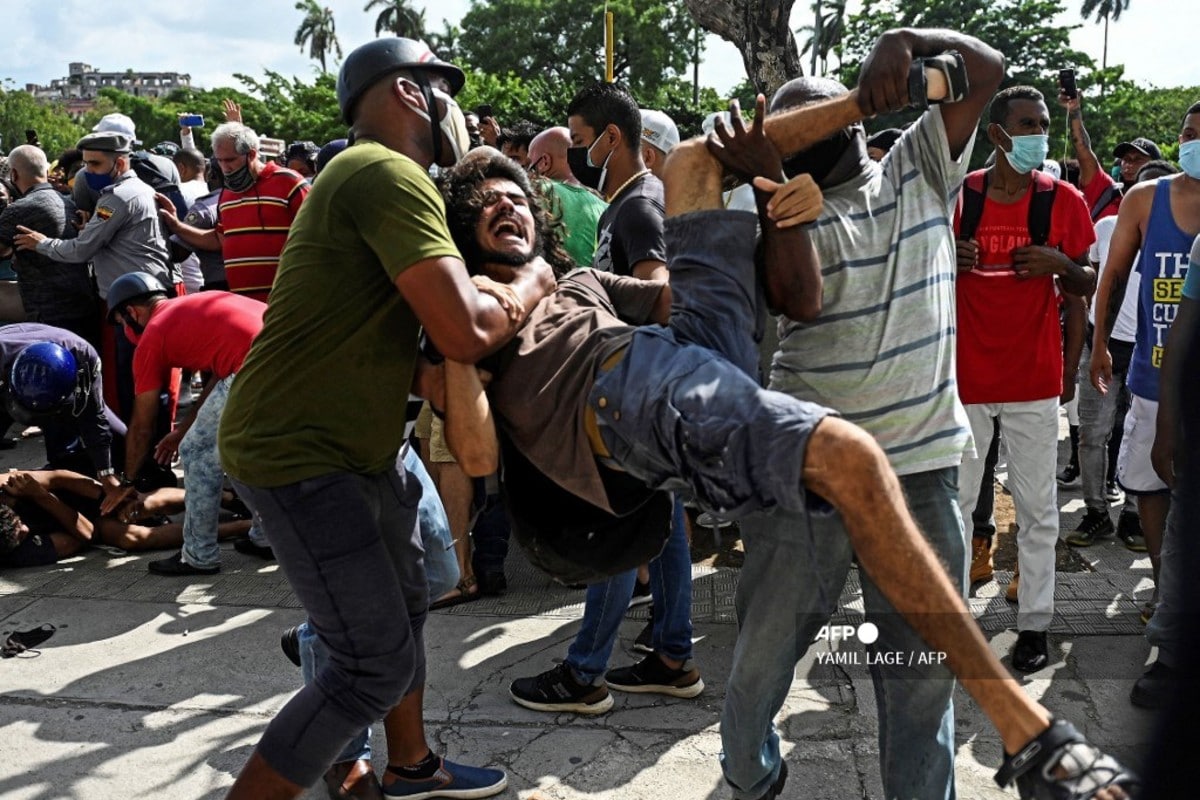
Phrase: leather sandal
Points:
(1062, 749)
(353, 779)
(468, 591)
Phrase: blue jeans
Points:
(203, 480)
(794, 571)
(683, 410)
(607, 602)
(441, 569)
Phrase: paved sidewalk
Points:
(159, 687)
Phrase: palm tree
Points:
(447, 43)
(398, 17)
(825, 34)
(1105, 9)
(318, 31)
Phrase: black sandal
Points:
(464, 595)
(1087, 769)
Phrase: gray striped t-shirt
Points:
(882, 351)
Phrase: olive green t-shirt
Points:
(323, 388)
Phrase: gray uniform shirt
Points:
(123, 235)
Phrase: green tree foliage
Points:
(1128, 110)
(825, 35)
(19, 112)
(562, 41)
(398, 17)
(317, 31)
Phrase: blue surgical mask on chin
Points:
(1028, 152)
(1189, 158)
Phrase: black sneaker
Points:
(652, 676)
(1068, 475)
(175, 565)
(1095, 525)
(1157, 687)
(644, 643)
(1129, 531)
(557, 690)
(1030, 652)
(248, 548)
(641, 594)
(491, 584)
(289, 643)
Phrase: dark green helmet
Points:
(381, 57)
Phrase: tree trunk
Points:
(760, 30)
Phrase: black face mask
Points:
(240, 179)
(585, 173)
(820, 159)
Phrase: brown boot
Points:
(1010, 594)
(981, 559)
(353, 779)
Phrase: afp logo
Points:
(867, 633)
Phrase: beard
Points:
(509, 259)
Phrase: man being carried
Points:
(676, 408)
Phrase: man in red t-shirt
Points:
(1010, 345)
(208, 332)
(254, 213)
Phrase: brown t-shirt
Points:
(542, 378)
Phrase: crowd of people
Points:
(575, 317)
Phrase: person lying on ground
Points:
(48, 515)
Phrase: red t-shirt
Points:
(255, 225)
(1096, 187)
(1009, 339)
(203, 332)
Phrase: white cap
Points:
(710, 122)
(658, 130)
(1052, 169)
(116, 123)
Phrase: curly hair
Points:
(462, 189)
(10, 529)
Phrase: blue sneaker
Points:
(450, 780)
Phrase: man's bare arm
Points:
(470, 429)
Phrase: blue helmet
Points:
(42, 381)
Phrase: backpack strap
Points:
(1107, 196)
(1041, 205)
(973, 193)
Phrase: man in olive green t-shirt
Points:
(314, 423)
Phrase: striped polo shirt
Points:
(882, 350)
(255, 225)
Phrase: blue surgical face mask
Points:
(1189, 158)
(1028, 152)
(97, 181)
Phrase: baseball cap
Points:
(1052, 168)
(117, 123)
(1140, 144)
(327, 153)
(106, 142)
(658, 130)
(710, 122)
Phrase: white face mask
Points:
(453, 124)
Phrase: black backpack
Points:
(1040, 205)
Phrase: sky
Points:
(213, 39)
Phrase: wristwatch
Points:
(105, 473)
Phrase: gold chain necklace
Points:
(625, 185)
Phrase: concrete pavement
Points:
(159, 687)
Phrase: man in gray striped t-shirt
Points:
(881, 353)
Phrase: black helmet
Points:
(131, 286)
(373, 60)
